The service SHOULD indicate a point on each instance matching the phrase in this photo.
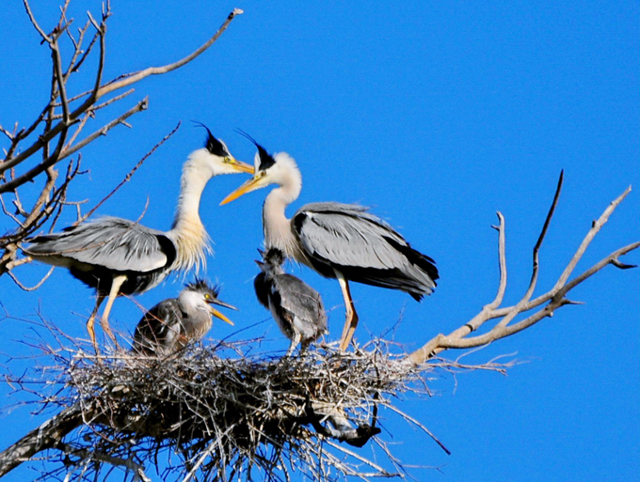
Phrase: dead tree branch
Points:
(47, 436)
(57, 133)
(555, 297)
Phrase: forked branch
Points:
(554, 298)
(57, 133)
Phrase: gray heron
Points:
(342, 241)
(296, 306)
(120, 257)
(174, 322)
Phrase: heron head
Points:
(217, 157)
(269, 169)
(274, 257)
(200, 296)
(272, 261)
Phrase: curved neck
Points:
(277, 227)
(191, 238)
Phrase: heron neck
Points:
(277, 227)
(191, 238)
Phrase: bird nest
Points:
(228, 415)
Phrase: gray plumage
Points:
(364, 248)
(96, 250)
(294, 305)
(173, 323)
(121, 257)
(342, 241)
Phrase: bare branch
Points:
(57, 65)
(536, 258)
(54, 158)
(44, 437)
(100, 91)
(32, 288)
(27, 7)
(130, 174)
(75, 67)
(556, 297)
(502, 262)
(587, 240)
(139, 107)
(138, 76)
(101, 31)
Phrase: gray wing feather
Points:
(116, 244)
(302, 302)
(347, 235)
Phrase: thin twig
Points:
(459, 338)
(138, 76)
(106, 89)
(32, 288)
(127, 178)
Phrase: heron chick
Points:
(342, 241)
(296, 306)
(120, 257)
(174, 322)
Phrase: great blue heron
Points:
(172, 323)
(342, 241)
(296, 306)
(121, 257)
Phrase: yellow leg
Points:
(351, 320)
(113, 294)
(91, 322)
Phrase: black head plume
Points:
(213, 145)
(201, 286)
(274, 257)
(266, 160)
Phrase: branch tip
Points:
(619, 264)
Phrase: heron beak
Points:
(222, 303)
(217, 314)
(251, 185)
(241, 166)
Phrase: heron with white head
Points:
(173, 323)
(342, 241)
(120, 257)
(296, 306)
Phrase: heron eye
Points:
(206, 296)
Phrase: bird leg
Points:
(294, 342)
(116, 284)
(91, 322)
(351, 316)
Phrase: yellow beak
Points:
(217, 314)
(250, 185)
(241, 166)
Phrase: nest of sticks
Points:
(228, 415)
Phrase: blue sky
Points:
(436, 114)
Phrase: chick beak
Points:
(217, 314)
